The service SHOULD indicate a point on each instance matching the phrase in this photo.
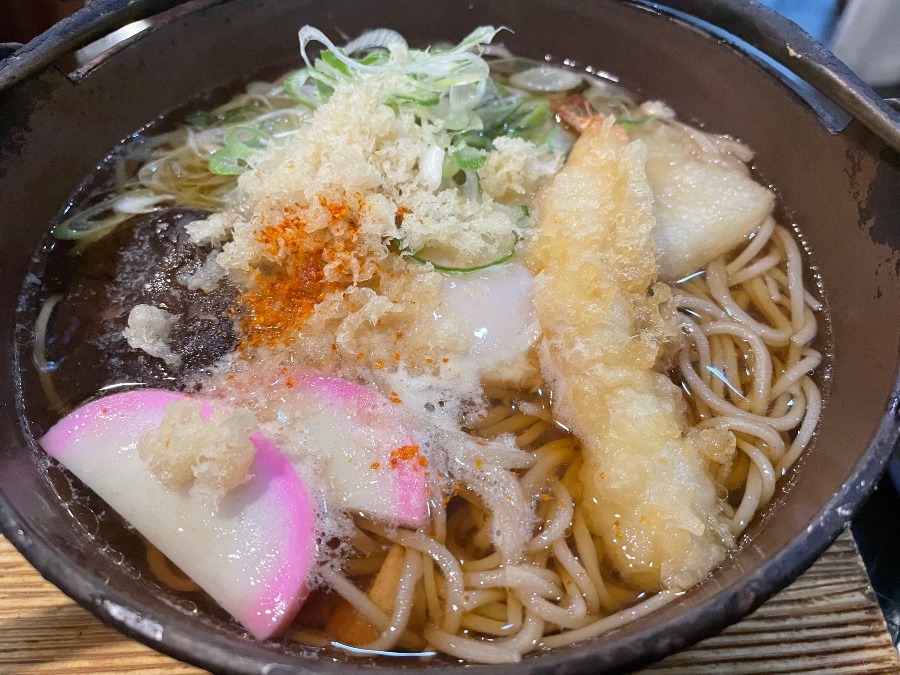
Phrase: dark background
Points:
(21, 20)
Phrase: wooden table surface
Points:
(825, 622)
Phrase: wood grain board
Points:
(825, 622)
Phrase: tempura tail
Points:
(648, 490)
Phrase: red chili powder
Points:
(283, 295)
(403, 453)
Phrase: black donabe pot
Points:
(840, 188)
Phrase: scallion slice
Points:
(97, 221)
(442, 261)
(469, 158)
(629, 125)
(462, 270)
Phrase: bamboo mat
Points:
(825, 622)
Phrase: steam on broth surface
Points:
(535, 353)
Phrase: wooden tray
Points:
(826, 622)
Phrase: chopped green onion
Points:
(529, 115)
(374, 58)
(309, 34)
(325, 90)
(224, 163)
(469, 158)
(494, 115)
(328, 57)
(439, 259)
(419, 96)
(87, 226)
(431, 73)
(83, 223)
(246, 141)
(463, 269)
(380, 38)
(296, 87)
(241, 143)
(482, 140)
(629, 125)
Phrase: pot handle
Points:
(785, 42)
(96, 20)
(9, 48)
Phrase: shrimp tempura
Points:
(648, 490)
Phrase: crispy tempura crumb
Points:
(212, 456)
